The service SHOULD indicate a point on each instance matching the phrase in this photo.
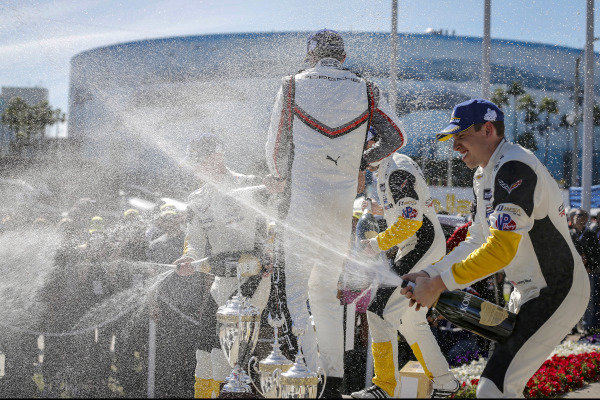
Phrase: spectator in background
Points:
(593, 225)
(81, 213)
(168, 247)
(154, 231)
(588, 247)
(570, 217)
(459, 235)
(132, 233)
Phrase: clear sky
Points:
(38, 38)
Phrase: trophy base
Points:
(230, 395)
(237, 383)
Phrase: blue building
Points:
(134, 106)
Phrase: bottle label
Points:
(464, 304)
(491, 315)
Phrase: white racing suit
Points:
(225, 226)
(413, 227)
(316, 140)
(520, 226)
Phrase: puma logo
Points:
(335, 161)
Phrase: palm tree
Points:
(527, 104)
(499, 97)
(549, 106)
(563, 122)
(596, 114)
(567, 155)
(515, 90)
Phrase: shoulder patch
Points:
(402, 184)
(515, 183)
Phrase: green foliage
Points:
(468, 392)
(526, 103)
(548, 105)
(564, 122)
(596, 114)
(500, 97)
(28, 121)
(515, 89)
(527, 140)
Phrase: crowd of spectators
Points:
(100, 256)
(585, 233)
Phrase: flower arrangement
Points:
(569, 367)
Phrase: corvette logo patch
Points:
(403, 184)
(510, 188)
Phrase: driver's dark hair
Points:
(319, 54)
(499, 125)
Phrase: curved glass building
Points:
(134, 106)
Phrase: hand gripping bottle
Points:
(472, 313)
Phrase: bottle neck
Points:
(369, 209)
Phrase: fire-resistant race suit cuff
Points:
(431, 270)
(448, 279)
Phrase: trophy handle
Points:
(322, 378)
(277, 379)
(254, 360)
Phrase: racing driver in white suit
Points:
(519, 226)
(227, 234)
(413, 227)
(315, 143)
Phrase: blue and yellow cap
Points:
(469, 113)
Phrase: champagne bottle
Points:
(474, 314)
(367, 226)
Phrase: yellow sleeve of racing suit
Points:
(499, 250)
(475, 239)
(398, 232)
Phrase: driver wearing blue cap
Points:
(468, 114)
(519, 227)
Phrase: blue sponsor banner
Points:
(575, 197)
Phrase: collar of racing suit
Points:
(328, 62)
(494, 158)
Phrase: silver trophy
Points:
(299, 382)
(270, 368)
(238, 323)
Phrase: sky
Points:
(38, 38)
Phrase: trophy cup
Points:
(299, 382)
(238, 324)
(270, 368)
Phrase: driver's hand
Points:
(183, 266)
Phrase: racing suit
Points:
(413, 227)
(315, 141)
(225, 227)
(520, 226)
